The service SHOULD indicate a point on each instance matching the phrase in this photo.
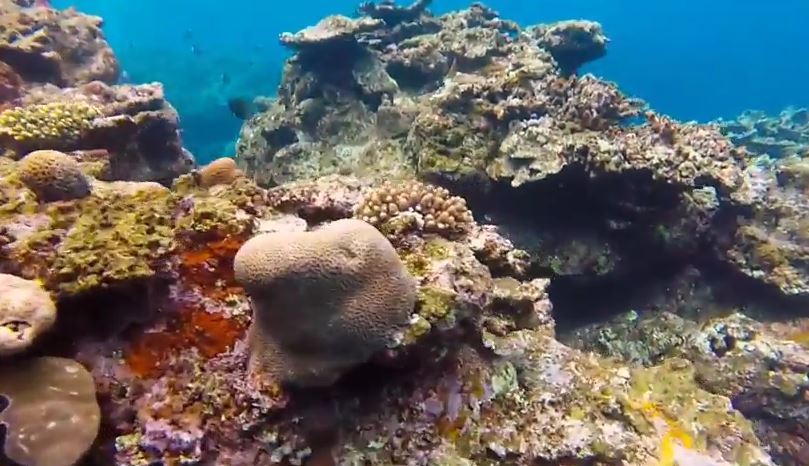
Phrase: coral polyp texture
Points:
(55, 124)
(323, 301)
(53, 176)
(26, 312)
(400, 206)
(440, 244)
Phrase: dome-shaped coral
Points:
(426, 207)
(26, 311)
(323, 301)
(221, 171)
(53, 176)
(52, 417)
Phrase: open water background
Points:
(692, 59)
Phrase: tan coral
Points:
(323, 301)
(26, 311)
(53, 176)
(52, 416)
(219, 172)
(437, 210)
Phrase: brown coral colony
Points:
(439, 211)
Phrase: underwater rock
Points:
(26, 312)
(51, 416)
(351, 292)
(63, 47)
(572, 43)
(332, 30)
(136, 127)
(10, 84)
(393, 14)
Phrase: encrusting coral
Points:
(324, 301)
(405, 205)
(53, 176)
(52, 416)
(50, 125)
(26, 312)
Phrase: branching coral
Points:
(53, 176)
(323, 301)
(26, 311)
(394, 207)
(52, 125)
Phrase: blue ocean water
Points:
(692, 59)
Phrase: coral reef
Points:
(62, 47)
(572, 43)
(439, 245)
(26, 312)
(66, 48)
(350, 291)
(777, 136)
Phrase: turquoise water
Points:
(691, 59)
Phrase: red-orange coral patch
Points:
(151, 354)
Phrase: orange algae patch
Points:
(211, 334)
(210, 266)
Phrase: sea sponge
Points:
(26, 311)
(52, 416)
(436, 210)
(221, 171)
(53, 176)
(53, 124)
(323, 301)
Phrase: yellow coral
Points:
(45, 125)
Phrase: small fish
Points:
(242, 108)
(188, 34)
(225, 79)
(195, 50)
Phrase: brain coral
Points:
(26, 311)
(53, 176)
(52, 417)
(323, 301)
(221, 171)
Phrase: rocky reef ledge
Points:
(440, 245)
